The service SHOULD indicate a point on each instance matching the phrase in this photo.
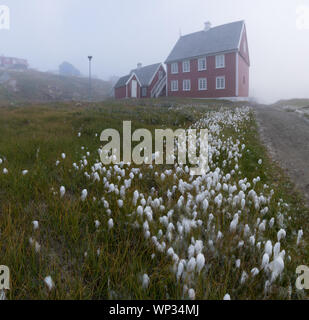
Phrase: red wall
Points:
(243, 67)
(120, 93)
(211, 73)
(243, 77)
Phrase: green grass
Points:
(34, 137)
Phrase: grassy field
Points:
(88, 257)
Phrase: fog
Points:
(121, 33)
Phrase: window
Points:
(186, 66)
(202, 64)
(202, 84)
(186, 85)
(160, 74)
(220, 61)
(144, 92)
(220, 83)
(174, 85)
(175, 67)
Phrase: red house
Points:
(13, 63)
(143, 82)
(212, 63)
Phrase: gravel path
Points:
(286, 135)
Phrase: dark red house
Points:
(212, 63)
(143, 82)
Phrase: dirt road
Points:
(286, 135)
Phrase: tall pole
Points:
(90, 58)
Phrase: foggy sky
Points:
(121, 33)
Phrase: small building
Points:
(13, 63)
(212, 63)
(142, 82)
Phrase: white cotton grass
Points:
(35, 224)
(5, 171)
(62, 191)
(200, 262)
(145, 281)
(191, 294)
(97, 224)
(227, 297)
(299, 236)
(110, 223)
(49, 283)
(25, 172)
(281, 234)
(84, 195)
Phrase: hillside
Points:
(35, 86)
(133, 231)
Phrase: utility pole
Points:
(90, 58)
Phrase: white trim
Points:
(132, 75)
(203, 89)
(166, 80)
(189, 66)
(183, 87)
(198, 64)
(174, 81)
(241, 34)
(223, 88)
(237, 75)
(220, 66)
(174, 63)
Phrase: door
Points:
(134, 89)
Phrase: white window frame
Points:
(184, 87)
(220, 61)
(201, 88)
(174, 88)
(186, 63)
(174, 68)
(224, 84)
(199, 64)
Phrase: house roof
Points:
(144, 75)
(122, 81)
(218, 39)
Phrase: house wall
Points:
(129, 85)
(120, 93)
(211, 73)
(243, 77)
(243, 66)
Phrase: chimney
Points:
(139, 65)
(207, 26)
